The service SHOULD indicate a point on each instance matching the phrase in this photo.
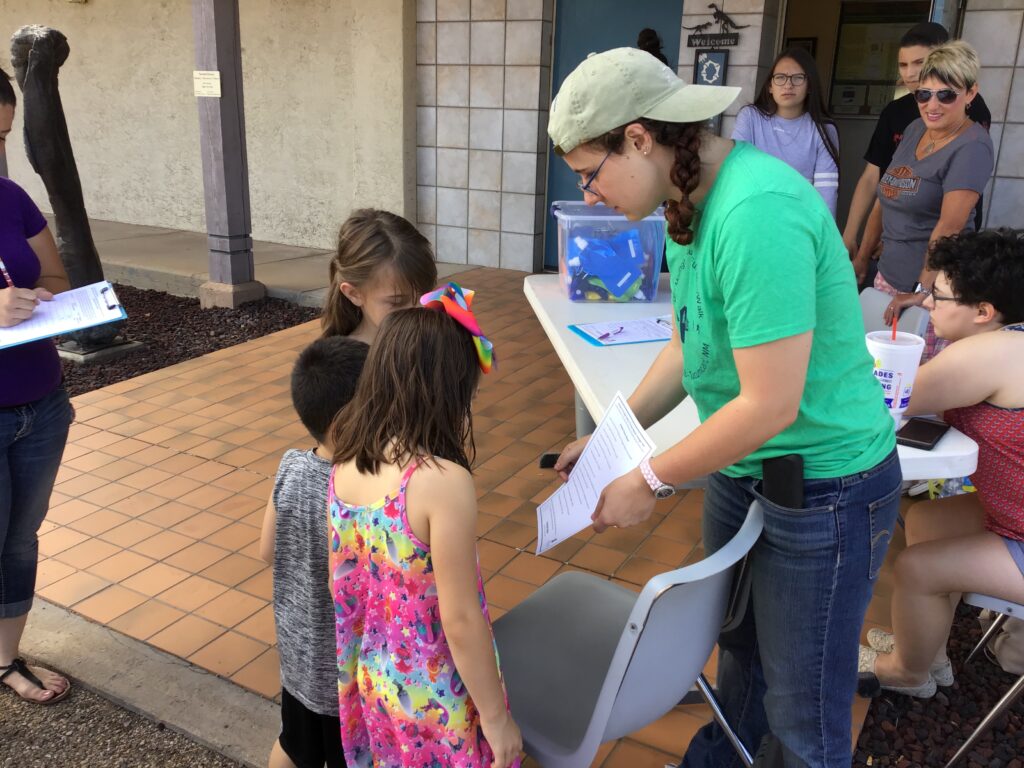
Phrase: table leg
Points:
(584, 421)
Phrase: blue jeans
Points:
(790, 668)
(32, 439)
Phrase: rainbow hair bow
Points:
(455, 301)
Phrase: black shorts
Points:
(309, 739)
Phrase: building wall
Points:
(329, 102)
(994, 28)
(483, 87)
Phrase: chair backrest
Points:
(668, 638)
(872, 308)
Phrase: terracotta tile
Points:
(670, 734)
(228, 653)
(97, 440)
(59, 540)
(237, 480)
(108, 494)
(196, 557)
(261, 490)
(99, 522)
(107, 605)
(130, 533)
(163, 544)
(158, 435)
(153, 455)
(261, 585)
(664, 550)
(89, 461)
(507, 593)
(138, 504)
(70, 511)
(201, 525)
(262, 674)
(211, 449)
(260, 626)
(204, 496)
(120, 566)
(230, 608)
(630, 754)
(175, 486)
(239, 506)
(594, 557)
(80, 485)
(49, 571)
(87, 553)
(234, 536)
(192, 593)
(498, 504)
(485, 523)
(117, 470)
(146, 620)
(186, 636)
(212, 430)
(125, 447)
(563, 552)
(530, 568)
(208, 471)
(234, 569)
(639, 570)
(512, 534)
(240, 457)
(146, 477)
(73, 588)
(155, 579)
(169, 514)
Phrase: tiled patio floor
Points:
(155, 518)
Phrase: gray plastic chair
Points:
(586, 661)
(872, 307)
(1005, 609)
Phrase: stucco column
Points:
(225, 165)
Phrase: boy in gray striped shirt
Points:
(294, 541)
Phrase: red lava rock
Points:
(175, 329)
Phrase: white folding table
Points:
(599, 372)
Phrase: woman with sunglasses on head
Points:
(972, 542)
(775, 367)
(932, 185)
(788, 120)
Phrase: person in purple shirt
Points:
(788, 120)
(35, 415)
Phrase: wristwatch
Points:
(658, 488)
(919, 288)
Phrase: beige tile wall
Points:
(483, 80)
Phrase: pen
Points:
(604, 336)
(6, 274)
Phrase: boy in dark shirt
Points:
(892, 122)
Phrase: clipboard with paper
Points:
(73, 310)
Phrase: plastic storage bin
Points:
(602, 256)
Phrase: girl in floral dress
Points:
(418, 676)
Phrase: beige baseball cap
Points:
(612, 88)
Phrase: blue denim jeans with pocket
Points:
(32, 439)
(790, 668)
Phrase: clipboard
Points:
(614, 334)
(73, 310)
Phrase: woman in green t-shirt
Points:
(769, 343)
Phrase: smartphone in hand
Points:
(547, 460)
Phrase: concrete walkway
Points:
(176, 262)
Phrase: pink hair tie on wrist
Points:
(455, 301)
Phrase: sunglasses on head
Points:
(944, 95)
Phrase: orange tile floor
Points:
(155, 519)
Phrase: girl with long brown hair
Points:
(418, 677)
(768, 342)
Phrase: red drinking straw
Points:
(895, 319)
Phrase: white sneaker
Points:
(884, 642)
(871, 686)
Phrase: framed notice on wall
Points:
(709, 68)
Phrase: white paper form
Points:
(610, 334)
(73, 310)
(617, 446)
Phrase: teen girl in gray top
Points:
(940, 168)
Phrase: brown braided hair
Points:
(684, 138)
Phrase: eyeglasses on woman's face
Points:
(585, 186)
(944, 95)
(937, 296)
(781, 78)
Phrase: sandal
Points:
(869, 686)
(19, 666)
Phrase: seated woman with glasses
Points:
(973, 542)
(932, 185)
(788, 119)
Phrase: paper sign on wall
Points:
(206, 83)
